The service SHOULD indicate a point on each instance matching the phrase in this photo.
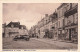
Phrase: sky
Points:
(27, 14)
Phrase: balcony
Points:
(71, 11)
(72, 25)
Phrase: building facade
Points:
(3, 29)
(14, 28)
(62, 24)
(60, 12)
(71, 22)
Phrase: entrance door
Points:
(60, 34)
(69, 34)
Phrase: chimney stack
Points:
(46, 15)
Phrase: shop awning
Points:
(60, 28)
(71, 27)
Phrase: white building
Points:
(14, 28)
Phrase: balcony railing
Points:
(71, 24)
(71, 11)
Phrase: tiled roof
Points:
(24, 27)
(16, 24)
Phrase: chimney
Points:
(46, 15)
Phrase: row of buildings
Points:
(13, 29)
(62, 24)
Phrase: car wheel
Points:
(25, 39)
(15, 40)
(28, 39)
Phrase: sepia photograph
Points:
(40, 26)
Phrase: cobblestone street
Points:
(35, 43)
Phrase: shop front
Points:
(72, 33)
(60, 34)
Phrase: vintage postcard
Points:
(39, 26)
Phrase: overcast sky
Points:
(27, 13)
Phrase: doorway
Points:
(69, 34)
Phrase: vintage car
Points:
(19, 37)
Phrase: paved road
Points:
(8, 43)
(59, 43)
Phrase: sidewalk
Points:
(58, 43)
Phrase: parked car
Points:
(19, 37)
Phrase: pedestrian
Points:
(37, 36)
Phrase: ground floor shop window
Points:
(75, 34)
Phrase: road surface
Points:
(8, 43)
